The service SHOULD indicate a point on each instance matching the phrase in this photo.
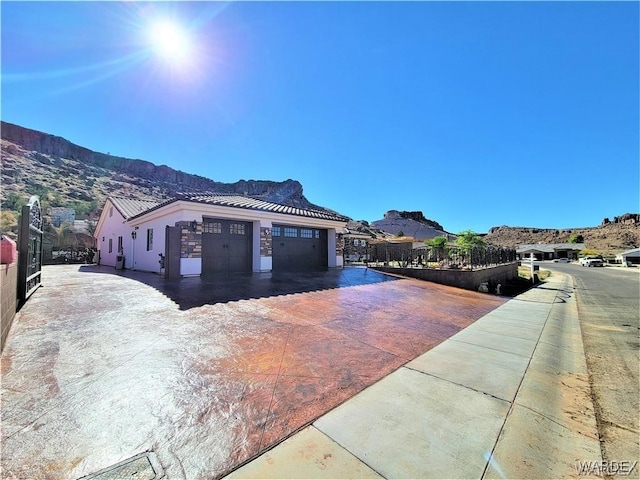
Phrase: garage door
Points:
(299, 248)
(226, 246)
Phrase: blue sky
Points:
(477, 113)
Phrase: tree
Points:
(467, 239)
(576, 238)
(437, 242)
(438, 247)
(14, 202)
(466, 242)
(8, 222)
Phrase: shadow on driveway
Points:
(191, 292)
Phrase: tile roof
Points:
(239, 201)
(130, 208)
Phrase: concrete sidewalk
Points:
(507, 397)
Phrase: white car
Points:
(593, 262)
(562, 260)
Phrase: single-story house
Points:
(550, 251)
(630, 256)
(206, 234)
(356, 246)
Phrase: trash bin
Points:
(119, 262)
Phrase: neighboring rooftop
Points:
(550, 247)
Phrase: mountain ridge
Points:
(34, 161)
(65, 174)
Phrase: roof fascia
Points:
(200, 210)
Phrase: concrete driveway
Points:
(102, 365)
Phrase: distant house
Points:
(60, 215)
(392, 249)
(213, 234)
(630, 256)
(356, 246)
(550, 251)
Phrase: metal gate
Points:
(172, 252)
(29, 250)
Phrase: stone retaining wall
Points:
(469, 280)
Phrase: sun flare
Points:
(170, 41)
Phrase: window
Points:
(275, 232)
(120, 244)
(110, 245)
(316, 233)
(149, 239)
(363, 243)
(306, 233)
(356, 242)
(111, 211)
(290, 232)
(236, 229)
(212, 227)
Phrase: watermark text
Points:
(602, 469)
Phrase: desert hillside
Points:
(66, 175)
(63, 174)
(611, 236)
(410, 224)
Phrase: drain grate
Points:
(144, 466)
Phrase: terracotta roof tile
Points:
(239, 201)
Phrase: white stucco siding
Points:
(141, 257)
(111, 225)
(148, 259)
(190, 266)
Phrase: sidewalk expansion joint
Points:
(491, 348)
(459, 384)
(551, 419)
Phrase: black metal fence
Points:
(29, 249)
(469, 258)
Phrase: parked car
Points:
(584, 260)
(593, 262)
(562, 260)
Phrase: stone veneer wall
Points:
(266, 242)
(339, 245)
(190, 241)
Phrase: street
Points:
(608, 306)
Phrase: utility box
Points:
(8, 252)
(120, 262)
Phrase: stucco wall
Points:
(112, 228)
(148, 260)
(9, 292)
(469, 280)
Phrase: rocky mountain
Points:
(65, 174)
(611, 236)
(410, 224)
